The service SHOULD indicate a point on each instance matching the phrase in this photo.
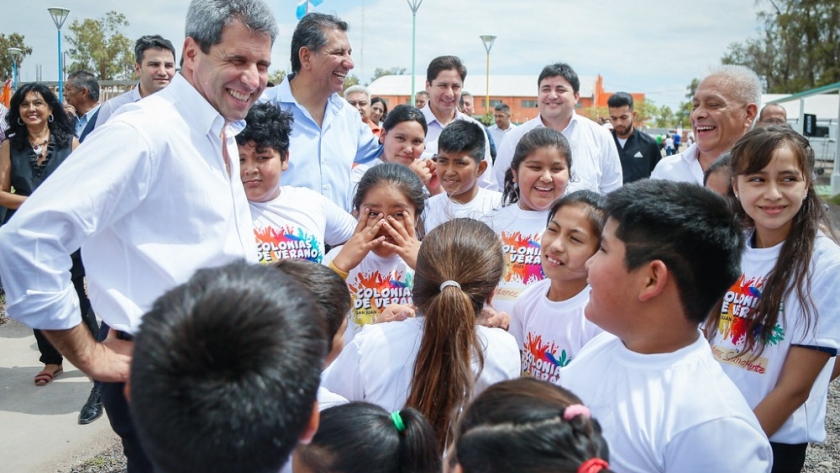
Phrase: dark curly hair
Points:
(60, 127)
(268, 127)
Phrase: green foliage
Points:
(799, 48)
(276, 77)
(350, 81)
(683, 115)
(14, 40)
(665, 117)
(394, 71)
(646, 112)
(99, 47)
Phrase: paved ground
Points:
(38, 425)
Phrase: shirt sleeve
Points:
(340, 224)
(503, 159)
(823, 328)
(516, 327)
(95, 187)
(343, 376)
(369, 148)
(722, 445)
(612, 178)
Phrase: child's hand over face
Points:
(405, 243)
(363, 240)
(424, 169)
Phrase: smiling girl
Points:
(538, 175)
(779, 324)
(547, 320)
(378, 260)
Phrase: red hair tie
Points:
(593, 465)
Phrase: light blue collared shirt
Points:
(321, 158)
(81, 122)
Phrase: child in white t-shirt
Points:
(289, 222)
(538, 175)
(435, 362)
(779, 323)
(458, 165)
(547, 320)
(669, 250)
(378, 260)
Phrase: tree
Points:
(14, 40)
(277, 77)
(799, 48)
(350, 81)
(99, 47)
(394, 71)
(646, 112)
(683, 115)
(665, 118)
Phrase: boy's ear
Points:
(482, 166)
(311, 426)
(655, 277)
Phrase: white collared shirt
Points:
(595, 162)
(110, 106)
(148, 199)
(488, 179)
(320, 158)
(683, 167)
(499, 134)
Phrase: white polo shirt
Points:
(683, 167)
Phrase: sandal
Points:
(46, 377)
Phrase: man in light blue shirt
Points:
(328, 136)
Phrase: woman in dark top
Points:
(40, 139)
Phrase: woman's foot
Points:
(48, 374)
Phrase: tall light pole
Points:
(414, 5)
(16, 53)
(59, 14)
(488, 41)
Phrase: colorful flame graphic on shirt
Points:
(372, 292)
(543, 360)
(735, 313)
(522, 257)
(287, 242)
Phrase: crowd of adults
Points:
(136, 194)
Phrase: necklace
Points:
(38, 148)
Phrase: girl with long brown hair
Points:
(779, 324)
(437, 361)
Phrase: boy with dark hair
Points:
(225, 372)
(668, 253)
(459, 165)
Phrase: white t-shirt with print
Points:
(549, 334)
(756, 378)
(520, 232)
(377, 366)
(441, 209)
(297, 223)
(374, 284)
(667, 412)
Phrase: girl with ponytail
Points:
(437, 361)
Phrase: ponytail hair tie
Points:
(398, 422)
(449, 283)
(593, 465)
(575, 410)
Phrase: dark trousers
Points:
(113, 398)
(51, 356)
(788, 458)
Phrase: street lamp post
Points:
(414, 5)
(16, 53)
(59, 14)
(488, 41)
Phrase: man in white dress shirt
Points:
(328, 137)
(154, 65)
(145, 220)
(501, 114)
(725, 107)
(595, 162)
(444, 83)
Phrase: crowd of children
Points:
(661, 327)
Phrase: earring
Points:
(19, 121)
(51, 118)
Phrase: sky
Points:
(645, 46)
